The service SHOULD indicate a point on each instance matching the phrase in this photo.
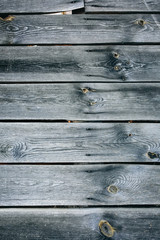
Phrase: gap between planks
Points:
(138, 206)
(85, 44)
(79, 121)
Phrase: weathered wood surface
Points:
(34, 185)
(122, 6)
(80, 29)
(80, 101)
(80, 63)
(79, 224)
(79, 142)
(39, 6)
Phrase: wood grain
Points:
(34, 185)
(80, 101)
(122, 6)
(79, 142)
(80, 29)
(79, 224)
(80, 63)
(39, 6)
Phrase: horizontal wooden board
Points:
(34, 185)
(80, 29)
(122, 6)
(39, 6)
(79, 142)
(80, 101)
(80, 63)
(79, 224)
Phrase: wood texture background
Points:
(59, 179)
(119, 101)
(80, 29)
(39, 6)
(34, 185)
(79, 224)
(80, 64)
(79, 142)
(122, 6)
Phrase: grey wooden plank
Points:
(80, 29)
(122, 6)
(80, 101)
(80, 63)
(79, 224)
(39, 6)
(34, 185)
(79, 142)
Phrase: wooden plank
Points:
(34, 185)
(79, 224)
(122, 6)
(39, 6)
(79, 142)
(80, 101)
(80, 29)
(80, 63)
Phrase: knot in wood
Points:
(153, 155)
(115, 55)
(141, 22)
(106, 229)
(112, 189)
(117, 68)
(92, 103)
(85, 90)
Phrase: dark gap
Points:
(6, 14)
(34, 120)
(81, 44)
(76, 121)
(79, 163)
(123, 12)
(79, 11)
(84, 44)
(85, 206)
(74, 82)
